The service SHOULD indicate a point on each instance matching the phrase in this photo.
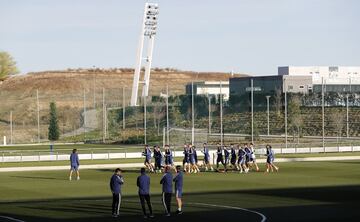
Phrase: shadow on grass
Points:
(335, 203)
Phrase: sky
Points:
(244, 36)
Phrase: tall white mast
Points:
(148, 32)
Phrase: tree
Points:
(337, 122)
(53, 124)
(295, 118)
(7, 65)
(278, 101)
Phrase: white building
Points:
(210, 88)
(331, 75)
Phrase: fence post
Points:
(57, 155)
(125, 154)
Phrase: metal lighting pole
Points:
(11, 128)
(285, 106)
(104, 115)
(252, 110)
(347, 115)
(167, 114)
(347, 110)
(145, 142)
(192, 114)
(84, 116)
(148, 30)
(209, 102)
(38, 114)
(268, 119)
(323, 112)
(123, 107)
(94, 90)
(221, 115)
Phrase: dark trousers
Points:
(146, 198)
(166, 200)
(116, 203)
(220, 160)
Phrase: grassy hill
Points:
(66, 88)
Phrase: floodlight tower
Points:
(148, 32)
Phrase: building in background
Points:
(209, 88)
(336, 79)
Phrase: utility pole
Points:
(347, 115)
(38, 114)
(268, 115)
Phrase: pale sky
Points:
(248, 36)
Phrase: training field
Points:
(302, 191)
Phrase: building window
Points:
(301, 87)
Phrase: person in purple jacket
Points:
(143, 182)
(74, 164)
(166, 182)
(116, 181)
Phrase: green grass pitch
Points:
(304, 191)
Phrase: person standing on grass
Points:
(158, 157)
(116, 181)
(241, 160)
(74, 164)
(219, 158)
(186, 160)
(143, 182)
(270, 160)
(178, 180)
(147, 162)
(253, 157)
(233, 157)
(166, 182)
(168, 157)
(207, 158)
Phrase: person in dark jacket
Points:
(116, 181)
(143, 182)
(166, 182)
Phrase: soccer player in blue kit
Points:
(143, 183)
(166, 182)
(270, 159)
(74, 164)
(207, 164)
(147, 162)
(178, 180)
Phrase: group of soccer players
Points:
(143, 184)
(234, 157)
(162, 160)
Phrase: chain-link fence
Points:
(97, 113)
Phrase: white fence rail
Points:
(130, 155)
